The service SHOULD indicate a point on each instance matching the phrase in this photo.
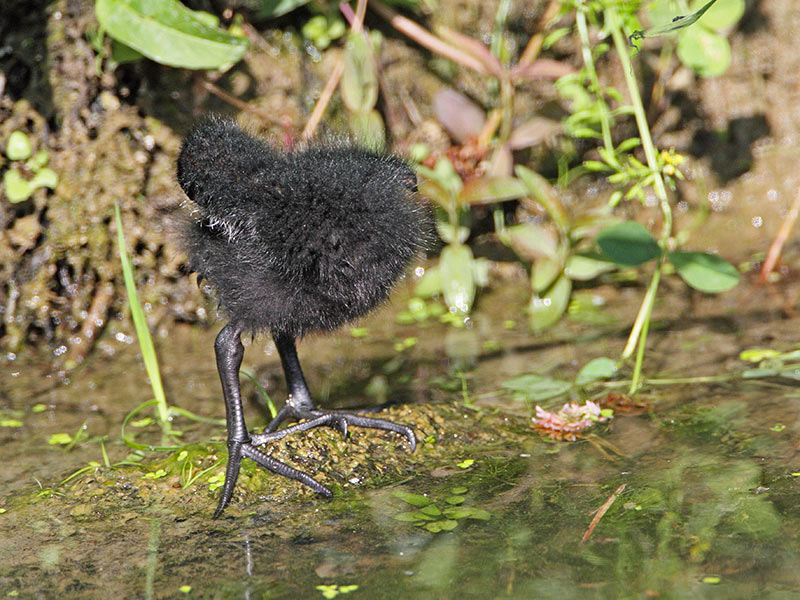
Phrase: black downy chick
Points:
(293, 243)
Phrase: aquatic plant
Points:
(435, 519)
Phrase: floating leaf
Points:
(60, 439)
(413, 499)
(537, 388)
(411, 517)
(454, 500)
(595, 370)
(455, 270)
(467, 512)
(431, 510)
(705, 272)
(546, 309)
(706, 52)
(18, 146)
(628, 244)
(169, 33)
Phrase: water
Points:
(698, 480)
(705, 475)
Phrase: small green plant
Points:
(333, 590)
(164, 412)
(29, 171)
(435, 519)
(323, 29)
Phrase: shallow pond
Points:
(699, 481)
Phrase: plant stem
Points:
(588, 61)
(638, 335)
(612, 22)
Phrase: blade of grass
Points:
(270, 404)
(142, 332)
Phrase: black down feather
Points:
(296, 241)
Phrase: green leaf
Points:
(169, 33)
(60, 439)
(359, 85)
(408, 517)
(367, 128)
(758, 354)
(532, 241)
(430, 284)
(454, 500)
(678, 22)
(122, 53)
(541, 189)
(583, 267)
(467, 512)
(413, 499)
(723, 14)
(706, 52)
(44, 178)
(431, 510)
(455, 270)
(546, 309)
(705, 272)
(448, 525)
(276, 8)
(452, 234)
(18, 146)
(17, 188)
(537, 388)
(628, 244)
(488, 190)
(595, 370)
(544, 273)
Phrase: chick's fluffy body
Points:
(297, 241)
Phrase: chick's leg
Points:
(300, 406)
(229, 352)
